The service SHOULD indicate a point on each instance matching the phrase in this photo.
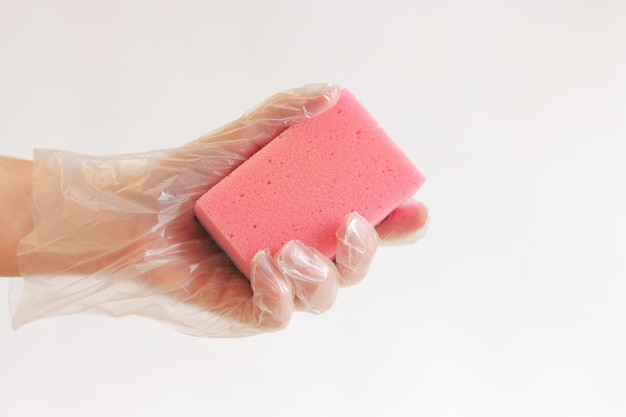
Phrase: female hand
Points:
(117, 235)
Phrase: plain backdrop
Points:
(512, 305)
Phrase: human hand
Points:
(117, 235)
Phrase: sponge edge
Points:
(304, 182)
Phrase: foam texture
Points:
(304, 182)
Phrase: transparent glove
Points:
(117, 236)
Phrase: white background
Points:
(513, 305)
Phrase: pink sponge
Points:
(304, 182)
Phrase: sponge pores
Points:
(303, 183)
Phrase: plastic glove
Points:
(117, 236)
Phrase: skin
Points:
(147, 230)
(217, 286)
(15, 219)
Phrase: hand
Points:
(117, 235)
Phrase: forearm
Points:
(15, 214)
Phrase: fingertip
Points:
(316, 98)
(315, 277)
(272, 292)
(357, 241)
(357, 232)
(405, 225)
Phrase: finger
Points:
(357, 241)
(265, 302)
(208, 159)
(405, 225)
(273, 299)
(223, 149)
(314, 277)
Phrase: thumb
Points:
(219, 152)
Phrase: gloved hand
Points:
(117, 236)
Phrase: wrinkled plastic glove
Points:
(117, 236)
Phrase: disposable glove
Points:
(116, 235)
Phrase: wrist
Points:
(15, 210)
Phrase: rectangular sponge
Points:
(304, 182)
